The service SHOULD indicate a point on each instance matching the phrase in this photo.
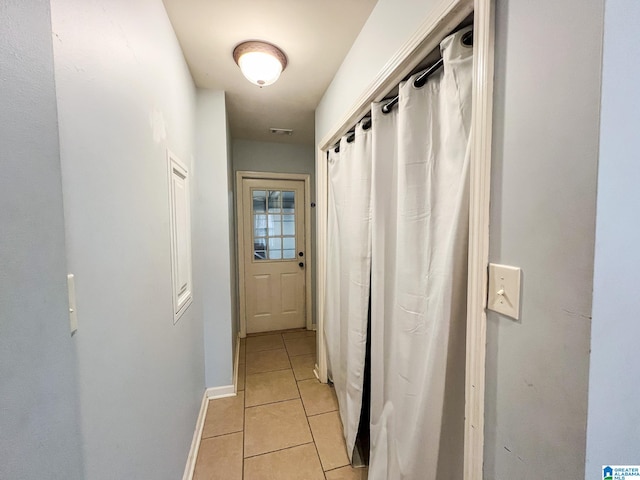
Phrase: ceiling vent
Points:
(281, 131)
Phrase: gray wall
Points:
(390, 25)
(547, 97)
(38, 388)
(614, 417)
(125, 95)
(212, 237)
(281, 158)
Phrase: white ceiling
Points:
(315, 36)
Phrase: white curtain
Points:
(348, 274)
(398, 209)
(419, 274)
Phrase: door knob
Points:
(301, 264)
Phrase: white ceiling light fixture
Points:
(260, 62)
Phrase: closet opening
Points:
(362, 448)
(467, 420)
(397, 261)
(419, 76)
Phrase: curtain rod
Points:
(419, 82)
(386, 108)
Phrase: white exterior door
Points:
(274, 255)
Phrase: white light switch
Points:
(73, 315)
(504, 290)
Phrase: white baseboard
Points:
(236, 365)
(195, 444)
(210, 394)
(220, 392)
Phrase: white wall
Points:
(390, 25)
(614, 388)
(281, 158)
(212, 231)
(547, 96)
(125, 95)
(40, 433)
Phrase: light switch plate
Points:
(504, 290)
(73, 315)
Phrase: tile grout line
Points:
(279, 332)
(322, 413)
(274, 402)
(271, 371)
(290, 364)
(287, 350)
(290, 368)
(352, 468)
(244, 411)
(244, 436)
(244, 459)
(221, 434)
(311, 431)
(270, 403)
(316, 381)
(312, 377)
(317, 415)
(278, 450)
(299, 354)
(271, 349)
(280, 370)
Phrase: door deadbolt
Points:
(300, 254)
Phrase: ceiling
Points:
(315, 36)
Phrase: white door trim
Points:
(240, 176)
(480, 190)
(446, 15)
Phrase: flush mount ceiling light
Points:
(261, 62)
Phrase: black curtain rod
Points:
(467, 39)
(386, 108)
(419, 82)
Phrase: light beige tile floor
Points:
(283, 424)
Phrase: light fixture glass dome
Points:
(260, 62)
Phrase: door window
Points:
(274, 224)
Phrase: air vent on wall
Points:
(281, 131)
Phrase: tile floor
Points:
(283, 424)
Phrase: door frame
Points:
(446, 15)
(245, 175)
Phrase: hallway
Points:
(283, 424)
